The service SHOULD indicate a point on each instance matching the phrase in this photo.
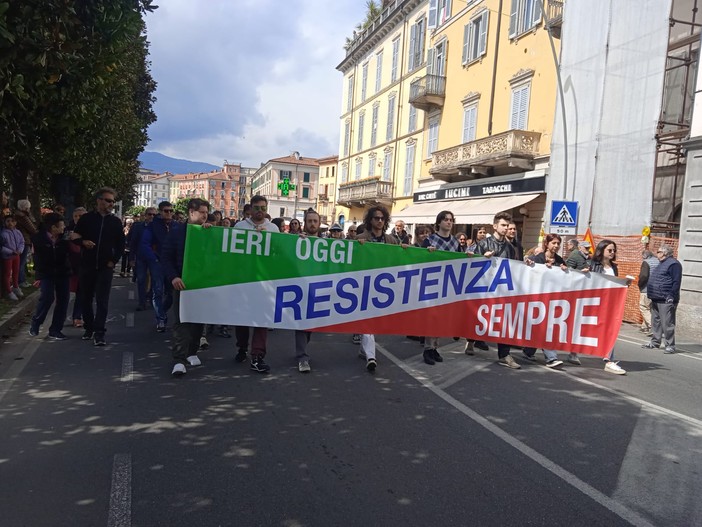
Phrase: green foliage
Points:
(135, 210)
(76, 94)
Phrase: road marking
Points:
(679, 351)
(120, 513)
(614, 506)
(14, 371)
(130, 320)
(127, 366)
(130, 295)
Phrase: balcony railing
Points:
(428, 92)
(365, 191)
(322, 197)
(554, 16)
(508, 152)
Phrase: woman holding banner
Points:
(603, 262)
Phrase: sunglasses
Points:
(107, 200)
(169, 211)
(259, 207)
(381, 218)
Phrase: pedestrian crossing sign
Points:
(564, 213)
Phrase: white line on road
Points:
(120, 513)
(614, 506)
(682, 352)
(130, 320)
(127, 366)
(130, 295)
(15, 370)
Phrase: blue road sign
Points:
(564, 213)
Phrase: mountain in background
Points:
(160, 163)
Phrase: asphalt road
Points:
(105, 436)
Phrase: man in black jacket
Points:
(102, 241)
(186, 335)
(52, 270)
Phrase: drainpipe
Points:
(494, 66)
(399, 108)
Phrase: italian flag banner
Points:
(253, 278)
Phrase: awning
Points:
(467, 211)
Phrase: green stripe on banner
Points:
(219, 256)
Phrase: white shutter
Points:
(432, 13)
(413, 43)
(431, 52)
(514, 110)
(514, 19)
(469, 123)
(466, 43)
(537, 13)
(524, 107)
(482, 39)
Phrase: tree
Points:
(76, 96)
(135, 210)
(373, 11)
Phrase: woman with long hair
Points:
(604, 262)
(294, 227)
(479, 233)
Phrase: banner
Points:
(252, 278)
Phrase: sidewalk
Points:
(684, 342)
(18, 312)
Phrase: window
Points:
(433, 141)
(412, 126)
(344, 173)
(306, 177)
(436, 59)
(347, 137)
(409, 170)
(364, 81)
(387, 165)
(519, 114)
(371, 166)
(439, 12)
(391, 118)
(359, 167)
(349, 97)
(416, 47)
(285, 174)
(395, 58)
(475, 38)
(524, 15)
(470, 115)
(305, 192)
(378, 70)
(374, 126)
(361, 122)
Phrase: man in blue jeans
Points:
(150, 251)
(52, 270)
(141, 268)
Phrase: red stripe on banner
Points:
(586, 322)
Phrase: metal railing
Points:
(384, 15)
(357, 191)
(554, 12)
(427, 85)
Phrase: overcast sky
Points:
(248, 80)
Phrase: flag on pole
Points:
(588, 238)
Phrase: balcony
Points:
(428, 93)
(500, 154)
(554, 17)
(322, 197)
(369, 191)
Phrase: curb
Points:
(17, 313)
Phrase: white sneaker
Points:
(469, 349)
(203, 343)
(194, 360)
(613, 367)
(12, 296)
(18, 292)
(179, 369)
(304, 366)
(554, 363)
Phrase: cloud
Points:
(248, 80)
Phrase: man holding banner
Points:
(302, 338)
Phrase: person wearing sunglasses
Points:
(257, 221)
(150, 250)
(140, 265)
(102, 244)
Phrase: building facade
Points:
(277, 177)
(381, 134)
(152, 189)
(327, 189)
(224, 189)
(488, 96)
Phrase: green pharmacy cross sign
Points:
(285, 187)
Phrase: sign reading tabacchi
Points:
(252, 278)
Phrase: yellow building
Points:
(327, 189)
(381, 136)
(489, 94)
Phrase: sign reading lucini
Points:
(253, 278)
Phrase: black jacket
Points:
(107, 234)
(597, 267)
(50, 260)
(501, 249)
(173, 252)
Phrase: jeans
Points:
(502, 350)
(302, 338)
(77, 308)
(47, 288)
(141, 269)
(162, 292)
(258, 343)
(430, 343)
(368, 345)
(95, 284)
(23, 263)
(663, 323)
(186, 335)
(549, 354)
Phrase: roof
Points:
(291, 159)
(328, 159)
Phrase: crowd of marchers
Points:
(83, 256)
